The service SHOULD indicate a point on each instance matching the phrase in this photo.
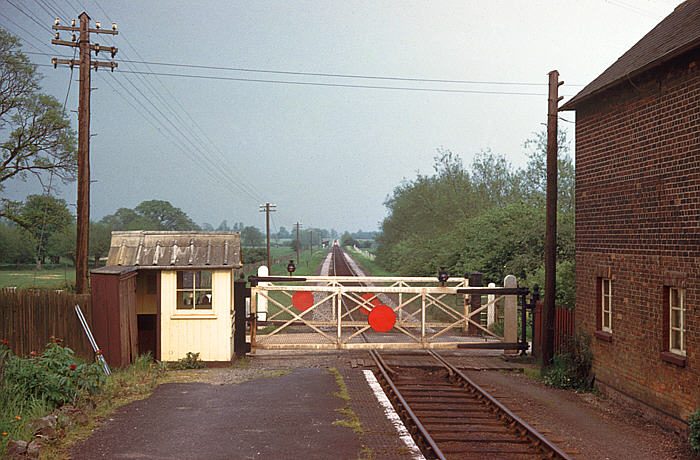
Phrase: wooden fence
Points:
(564, 327)
(29, 317)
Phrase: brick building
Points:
(638, 218)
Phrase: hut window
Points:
(194, 290)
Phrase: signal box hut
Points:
(168, 293)
(638, 219)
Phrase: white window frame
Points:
(679, 328)
(194, 290)
(606, 304)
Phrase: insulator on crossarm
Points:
(73, 38)
(54, 61)
(98, 24)
(57, 21)
(72, 22)
(114, 26)
(57, 36)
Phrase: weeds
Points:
(572, 368)
(694, 431)
(191, 361)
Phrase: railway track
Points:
(449, 415)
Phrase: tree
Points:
(251, 236)
(223, 227)
(150, 215)
(62, 244)
(16, 244)
(165, 215)
(283, 233)
(39, 138)
(42, 216)
(100, 238)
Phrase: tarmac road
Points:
(285, 417)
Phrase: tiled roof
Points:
(152, 249)
(678, 33)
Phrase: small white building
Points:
(166, 292)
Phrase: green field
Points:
(54, 278)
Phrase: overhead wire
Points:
(165, 101)
(337, 75)
(174, 134)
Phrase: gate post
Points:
(491, 309)
(240, 292)
(475, 279)
(262, 299)
(510, 314)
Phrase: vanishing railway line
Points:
(449, 415)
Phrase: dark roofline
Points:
(576, 100)
(677, 34)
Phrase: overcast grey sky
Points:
(326, 155)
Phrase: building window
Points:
(194, 290)
(606, 305)
(676, 331)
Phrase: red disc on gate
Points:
(374, 301)
(302, 300)
(382, 318)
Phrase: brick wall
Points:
(638, 222)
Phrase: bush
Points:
(56, 376)
(694, 430)
(34, 386)
(253, 255)
(572, 369)
(191, 361)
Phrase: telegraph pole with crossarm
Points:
(85, 63)
(267, 208)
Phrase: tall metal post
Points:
(550, 251)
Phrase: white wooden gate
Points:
(330, 312)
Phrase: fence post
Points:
(240, 292)
(510, 314)
(491, 309)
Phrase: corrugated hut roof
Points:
(678, 33)
(175, 250)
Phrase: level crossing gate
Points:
(402, 313)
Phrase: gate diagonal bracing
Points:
(425, 315)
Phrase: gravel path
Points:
(595, 427)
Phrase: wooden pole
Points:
(550, 250)
(298, 243)
(267, 208)
(83, 224)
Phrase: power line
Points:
(334, 85)
(200, 137)
(337, 75)
(43, 26)
(333, 75)
(178, 130)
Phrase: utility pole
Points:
(298, 226)
(550, 248)
(267, 208)
(85, 63)
(311, 243)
